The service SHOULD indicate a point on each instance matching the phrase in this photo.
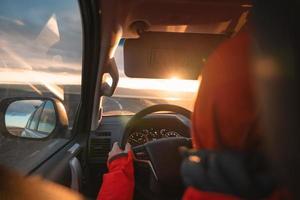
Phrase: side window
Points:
(48, 118)
(35, 119)
(41, 53)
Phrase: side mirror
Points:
(29, 117)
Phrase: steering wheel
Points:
(162, 155)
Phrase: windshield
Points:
(134, 94)
(41, 50)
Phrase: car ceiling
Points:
(196, 16)
(129, 18)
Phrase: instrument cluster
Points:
(145, 135)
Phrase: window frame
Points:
(39, 117)
(37, 128)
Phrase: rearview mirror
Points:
(167, 55)
(34, 117)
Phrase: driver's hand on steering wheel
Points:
(117, 152)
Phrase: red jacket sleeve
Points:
(118, 183)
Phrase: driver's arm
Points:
(118, 183)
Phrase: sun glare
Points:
(171, 85)
(174, 78)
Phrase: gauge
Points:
(172, 134)
(137, 138)
(146, 134)
(163, 132)
(154, 134)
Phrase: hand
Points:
(116, 150)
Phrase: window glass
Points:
(48, 118)
(41, 50)
(134, 94)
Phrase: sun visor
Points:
(167, 55)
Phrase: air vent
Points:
(99, 148)
(103, 133)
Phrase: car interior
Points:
(78, 76)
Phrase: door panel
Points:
(63, 167)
